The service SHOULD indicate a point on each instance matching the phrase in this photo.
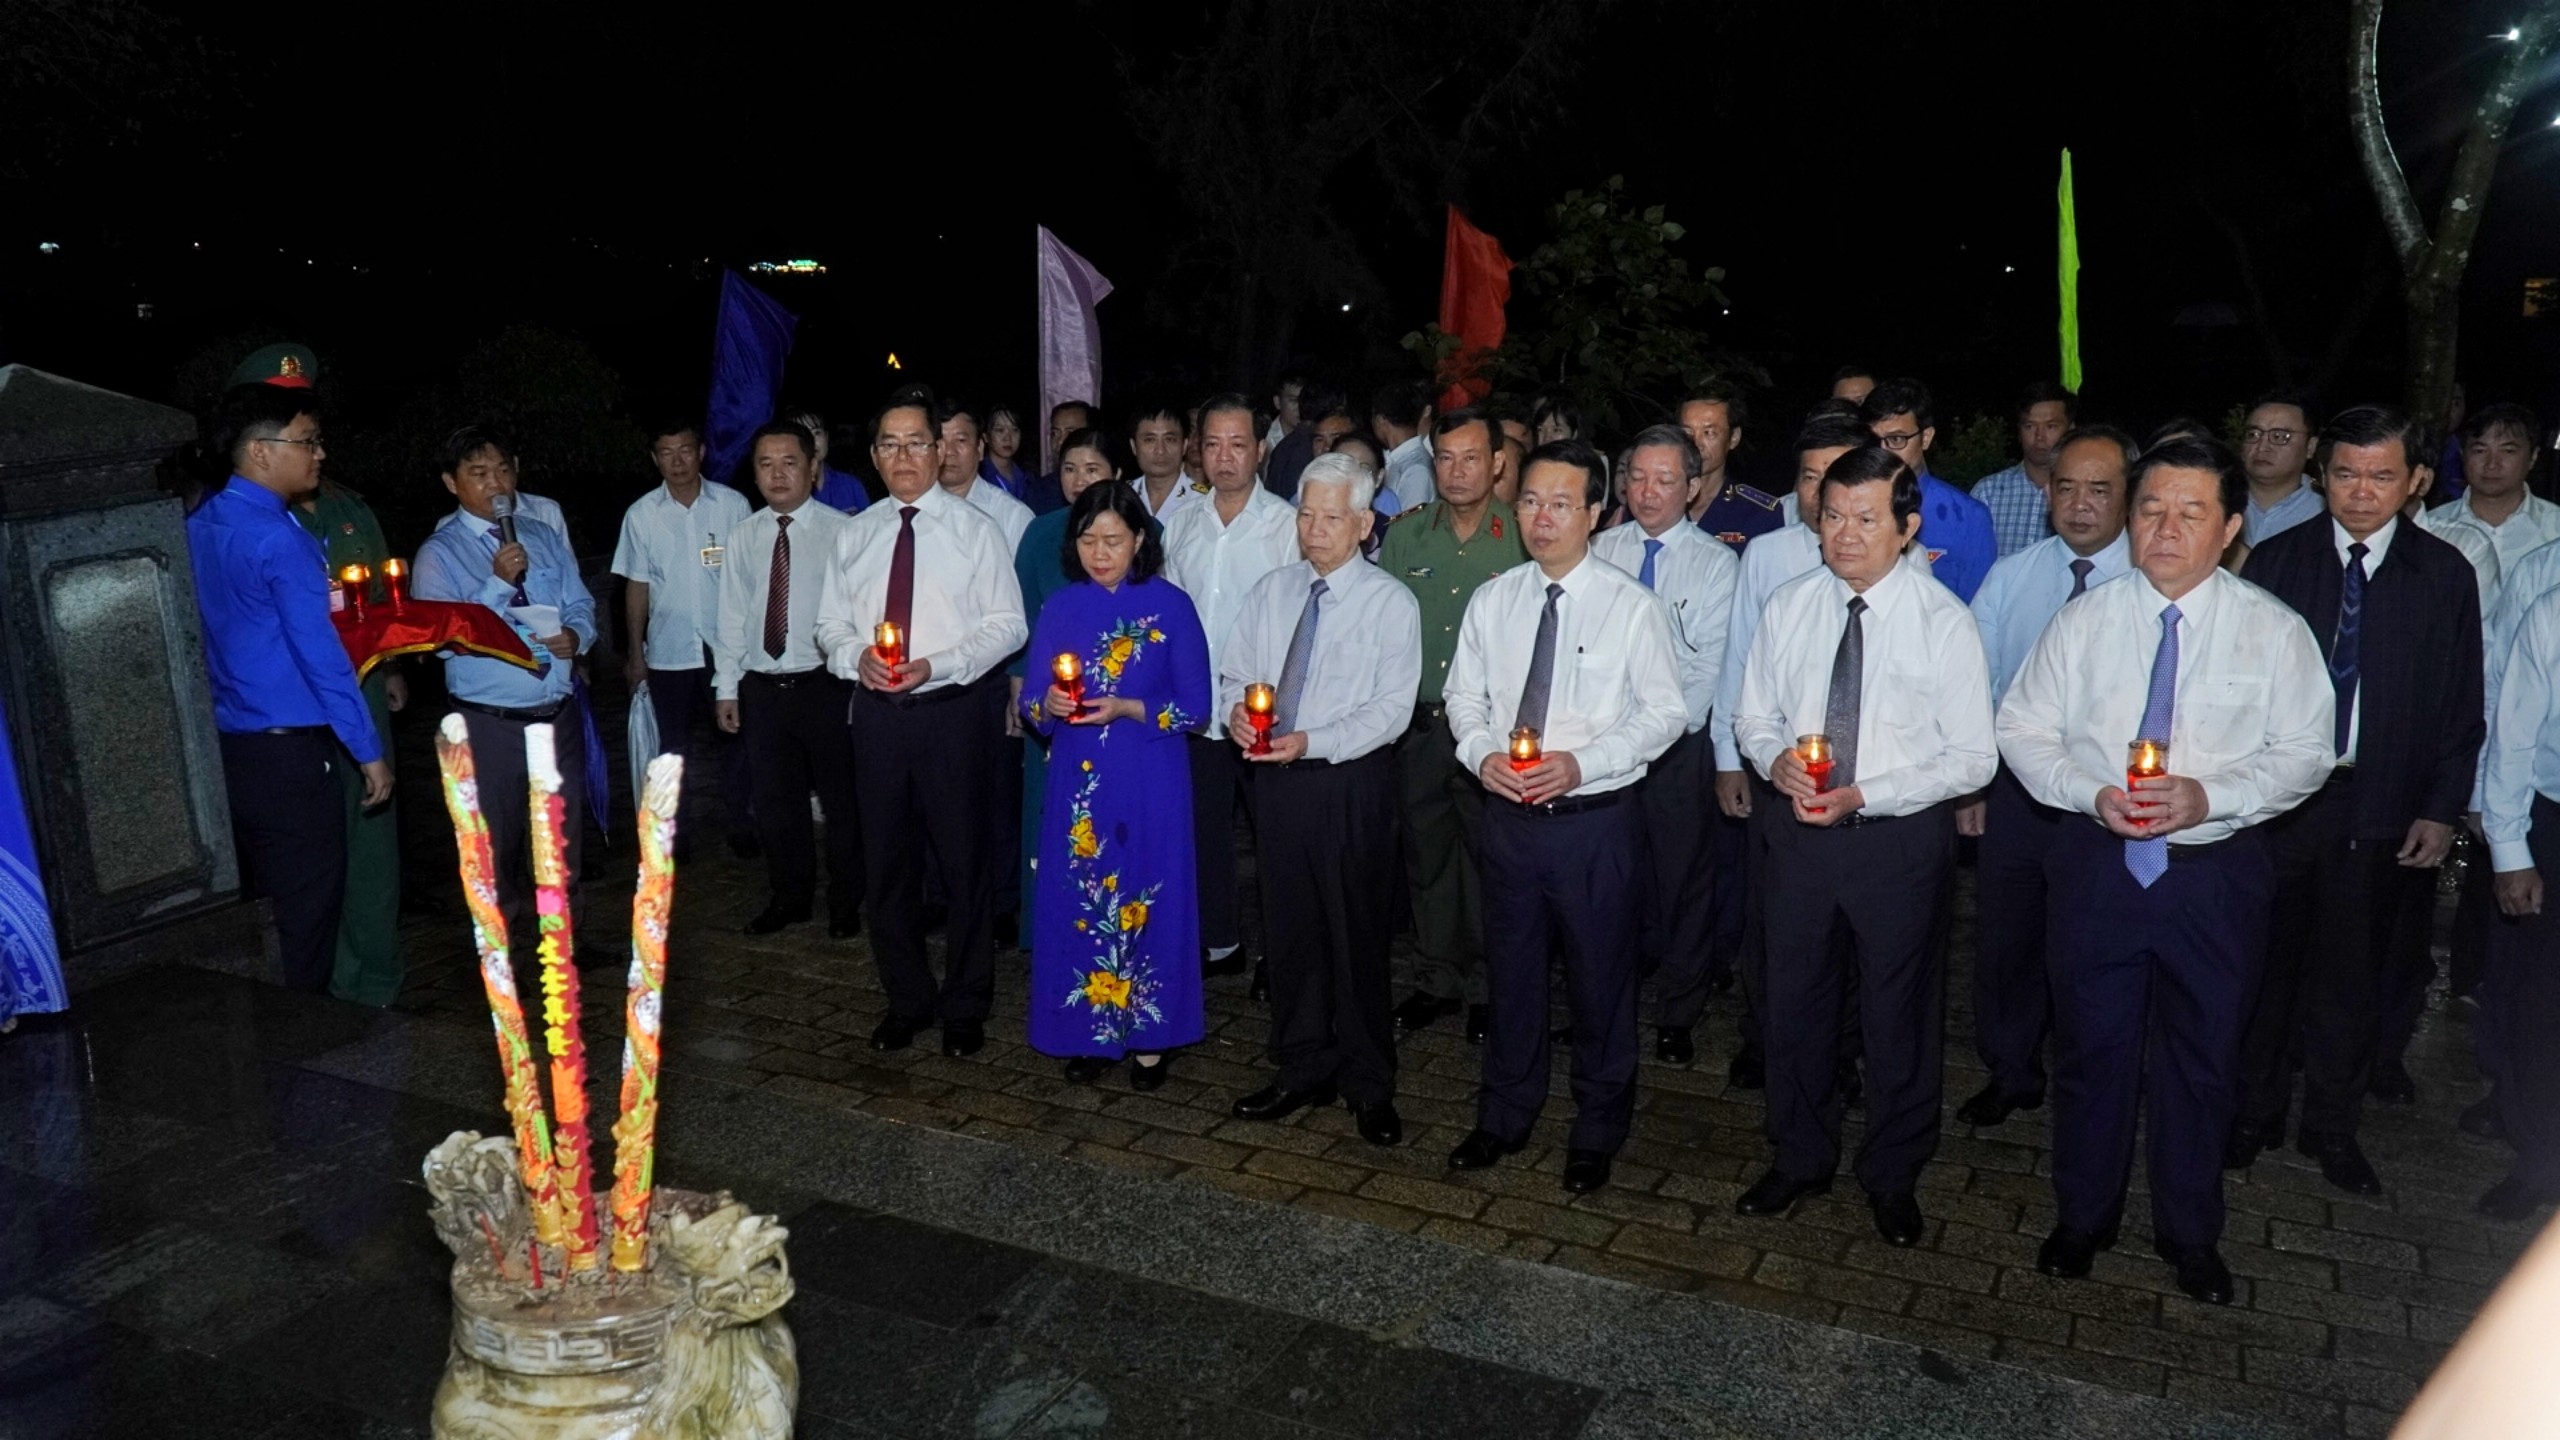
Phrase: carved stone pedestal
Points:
(688, 1348)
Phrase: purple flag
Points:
(1070, 333)
(753, 340)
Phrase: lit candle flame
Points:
(354, 575)
(1524, 745)
(1068, 668)
(1260, 699)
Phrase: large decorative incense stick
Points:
(635, 1151)
(572, 1156)
(497, 976)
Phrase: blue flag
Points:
(30, 965)
(746, 372)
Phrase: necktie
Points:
(1644, 576)
(902, 578)
(1293, 670)
(2343, 650)
(2079, 579)
(1848, 679)
(777, 591)
(1542, 667)
(2149, 859)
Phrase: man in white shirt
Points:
(772, 688)
(2498, 449)
(2012, 1001)
(1341, 644)
(539, 509)
(1400, 416)
(937, 569)
(1157, 438)
(2275, 449)
(673, 545)
(1884, 662)
(964, 449)
(2160, 905)
(2520, 994)
(1215, 551)
(1562, 692)
(1768, 562)
(1694, 574)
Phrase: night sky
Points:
(395, 185)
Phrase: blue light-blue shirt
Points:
(270, 654)
(840, 490)
(2020, 514)
(454, 565)
(1956, 530)
(2024, 592)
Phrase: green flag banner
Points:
(2069, 269)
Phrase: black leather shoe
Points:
(1585, 1171)
(775, 917)
(2391, 1084)
(1085, 1069)
(1479, 1023)
(2201, 1273)
(2247, 1139)
(1420, 1009)
(2512, 1199)
(1749, 1070)
(1990, 1106)
(1853, 1086)
(2342, 1162)
(2067, 1253)
(897, 1032)
(1271, 1102)
(1777, 1192)
(1481, 1151)
(1672, 1045)
(1379, 1124)
(2480, 1118)
(1897, 1217)
(1260, 989)
(1149, 1078)
(845, 926)
(963, 1037)
(1231, 963)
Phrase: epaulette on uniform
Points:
(1761, 498)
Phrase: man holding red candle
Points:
(2160, 907)
(1579, 653)
(929, 563)
(1883, 663)
(1340, 645)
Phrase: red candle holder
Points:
(1814, 751)
(357, 580)
(395, 581)
(2144, 760)
(1524, 748)
(1259, 701)
(890, 642)
(1069, 668)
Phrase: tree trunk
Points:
(2435, 322)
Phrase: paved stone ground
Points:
(2344, 1306)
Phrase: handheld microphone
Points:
(502, 507)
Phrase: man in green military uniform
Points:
(368, 970)
(1442, 551)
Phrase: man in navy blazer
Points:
(2397, 615)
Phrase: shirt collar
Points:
(2301, 488)
(1882, 595)
(2376, 545)
(2113, 558)
(2192, 606)
(256, 494)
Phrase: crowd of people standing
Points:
(2208, 721)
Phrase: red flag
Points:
(1475, 283)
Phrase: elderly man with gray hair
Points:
(1340, 645)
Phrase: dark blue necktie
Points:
(2343, 650)
(1644, 576)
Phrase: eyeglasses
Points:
(2255, 436)
(315, 442)
(1897, 439)
(905, 447)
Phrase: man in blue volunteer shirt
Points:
(1955, 528)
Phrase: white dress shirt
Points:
(1217, 561)
(1012, 517)
(737, 641)
(1694, 574)
(1408, 474)
(2251, 720)
(1613, 699)
(538, 508)
(965, 612)
(1186, 492)
(1768, 562)
(678, 551)
(1365, 667)
(2025, 591)
(2522, 758)
(2534, 524)
(1924, 696)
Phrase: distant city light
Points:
(787, 267)
(1346, 307)
(142, 310)
(893, 361)
(47, 247)
(2513, 33)
(2008, 269)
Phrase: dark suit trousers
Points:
(289, 826)
(1325, 845)
(920, 763)
(1881, 881)
(797, 741)
(1217, 787)
(2332, 951)
(1575, 877)
(2520, 1001)
(2012, 999)
(2149, 989)
(1680, 819)
(497, 757)
(1442, 805)
(677, 697)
